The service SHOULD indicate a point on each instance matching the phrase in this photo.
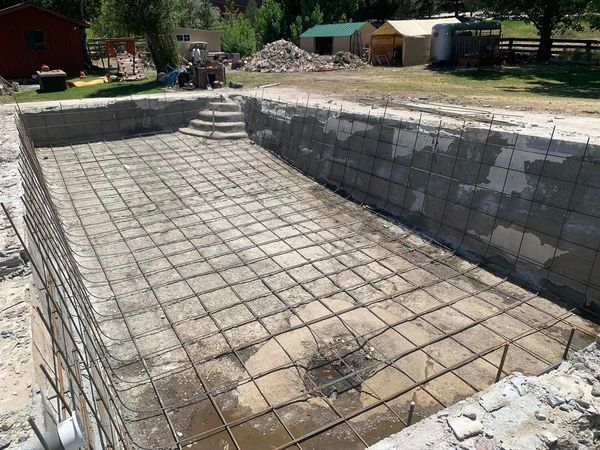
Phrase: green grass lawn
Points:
(519, 29)
(114, 89)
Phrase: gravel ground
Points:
(16, 365)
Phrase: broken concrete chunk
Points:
(548, 438)
(464, 428)
(555, 401)
(496, 399)
(5, 441)
(596, 389)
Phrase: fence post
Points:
(588, 50)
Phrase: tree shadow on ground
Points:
(126, 88)
(559, 81)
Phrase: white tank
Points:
(442, 43)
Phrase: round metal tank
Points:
(442, 43)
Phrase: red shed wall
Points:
(63, 43)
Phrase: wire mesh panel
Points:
(227, 301)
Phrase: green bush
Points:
(238, 36)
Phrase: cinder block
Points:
(582, 229)
(590, 174)
(422, 160)
(514, 209)
(447, 144)
(379, 188)
(492, 177)
(538, 247)
(546, 218)
(461, 193)
(466, 171)
(397, 194)
(486, 201)
(520, 184)
(554, 192)
(573, 261)
(438, 186)
(433, 208)
(561, 168)
(399, 174)
(382, 168)
(567, 149)
(418, 180)
(534, 144)
(472, 151)
(497, 156)
(443, 165)
(507, 236)
(455, 216)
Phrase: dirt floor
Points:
(549, 89)
(245, 306)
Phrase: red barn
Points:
(31, 36)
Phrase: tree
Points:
(270, 20)
(310, 15)
(238, 36)
(548, 16)
(153, 19)
(81, 9)
(199, 14)
(593, 13)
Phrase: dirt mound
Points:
(283, 56)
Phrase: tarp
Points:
(412, 28)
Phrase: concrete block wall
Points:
(526, 206)
(68, 125)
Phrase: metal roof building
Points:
(331, 38)
(404, 42)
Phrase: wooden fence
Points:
(582, 48)
(97, 48)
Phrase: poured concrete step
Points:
(224, 106)
(223, 120)
(221, 116)
(205, 125)
(214, 135)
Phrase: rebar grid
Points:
(478, 149)
(368, 299)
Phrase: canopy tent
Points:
(404, 42)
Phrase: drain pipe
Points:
(67, 435)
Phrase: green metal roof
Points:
(333, 30)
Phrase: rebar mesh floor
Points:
(243, 305)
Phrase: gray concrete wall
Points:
(528, 207)
(59, 126)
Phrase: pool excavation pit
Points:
(322, 283)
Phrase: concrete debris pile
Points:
(283, 56)
(559, 410)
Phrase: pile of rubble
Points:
(559, 410)
(283, 56)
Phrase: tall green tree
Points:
(75, 9)
(593, 13)
(238, 35)
(548, 16)
(198, 14)
(308, 18)
(153, 19)
(270, 21)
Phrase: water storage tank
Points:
(442, 43)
